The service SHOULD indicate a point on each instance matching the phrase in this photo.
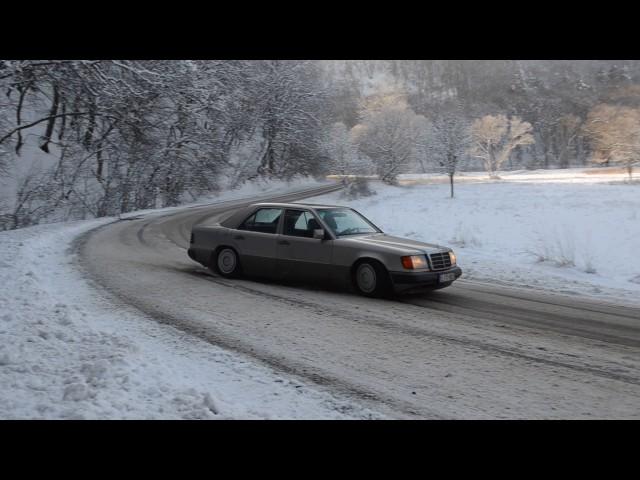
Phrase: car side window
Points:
(264, 220)
(299, 223)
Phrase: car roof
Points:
(296, 205)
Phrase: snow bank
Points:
(68, 351)
(566, 237)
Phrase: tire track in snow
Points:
(417, 332)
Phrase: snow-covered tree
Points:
(388, 134)
(447, 143)
(115, 135)
(493, 138)
(341, 152)
(122, 135)
(567, 132)
(289, 100)
(614, 134)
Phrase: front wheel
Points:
(227, 263)
(371, 279)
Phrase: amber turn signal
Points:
(413, 262)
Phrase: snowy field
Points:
(560, 175)
(567, 236)
(67, 351)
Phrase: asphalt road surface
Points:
(472, 350)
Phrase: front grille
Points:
(440, 260)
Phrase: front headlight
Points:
(413, 262)
(453, 258)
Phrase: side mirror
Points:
(318, 233)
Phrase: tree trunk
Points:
(424, 170)
(546, 156)
(23, 92)
(492, 162)
(267, 164)
(100, 162)
(52, 120)
(451, 183)
(63, 123)
(564, 157)
(88, 136)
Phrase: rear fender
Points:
(205, 242)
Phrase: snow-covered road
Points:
(469, 351)
(70, 351)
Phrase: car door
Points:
(300, 255)
(256, 241)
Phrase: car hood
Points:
(382, 240)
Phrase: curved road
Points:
(469, 351)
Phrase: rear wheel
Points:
(227, 263)
(371, 279)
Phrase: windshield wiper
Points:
(352, 231)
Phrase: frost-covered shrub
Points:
(557, 249)
(555, 254)
(588, 266)
(567, 249)
(357, 188)
(7, 222)
(464, 237)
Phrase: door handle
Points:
(238, 237)
(283, 242)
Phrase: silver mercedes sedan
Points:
(310, 242)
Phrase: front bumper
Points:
(409, 280)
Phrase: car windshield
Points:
(344, 221)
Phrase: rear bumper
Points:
(410, 280)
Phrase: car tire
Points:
(371, 279)
(226, 263)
